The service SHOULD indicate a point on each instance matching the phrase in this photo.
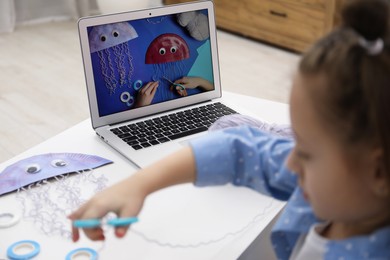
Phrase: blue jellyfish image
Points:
(110, 43)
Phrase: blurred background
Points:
(42, 86)
(21, 12)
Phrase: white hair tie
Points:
(373, 47)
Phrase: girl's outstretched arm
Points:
(126, 197)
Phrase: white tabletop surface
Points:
(181, 222)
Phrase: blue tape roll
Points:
(92, 254)
(87, 223)
(36, 248)
(127, 98)
(137, 84)
(118, 222)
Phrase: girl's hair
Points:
(354, 60)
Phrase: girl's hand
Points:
(146, 94)
(195, 82)
(125, 199)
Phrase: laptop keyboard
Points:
(170, 127)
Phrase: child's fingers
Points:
(149, 88)
(76, 214)
(75, 234)
(87, 212)
(94, 233)
(91, 233)
(181, 92)
(179, 81)
(154, 89)
(183, 81)
(121, 231)
(73, 216)
(145, 89)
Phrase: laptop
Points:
(152, 78)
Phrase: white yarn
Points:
(47, 203)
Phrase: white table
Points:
(183, 214)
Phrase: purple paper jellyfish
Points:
(166, 53)
(45, 166)
(110, 43)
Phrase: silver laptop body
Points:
(124, 52)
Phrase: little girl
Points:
(335, 176)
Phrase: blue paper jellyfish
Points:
(110, 41)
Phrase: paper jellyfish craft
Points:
(168, 47)
(166, 53)
(110, 42)
(46, 166)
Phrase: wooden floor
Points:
(42, 87)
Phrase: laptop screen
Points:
(152, 60)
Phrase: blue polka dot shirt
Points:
(246, 156)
